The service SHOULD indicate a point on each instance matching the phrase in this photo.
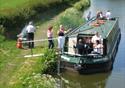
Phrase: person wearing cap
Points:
(30, 34)
(50, 37)
(61, 38)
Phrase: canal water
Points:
(115, 78)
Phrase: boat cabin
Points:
(107, 31)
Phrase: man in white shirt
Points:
(30, 34)
(108, 15)
(96, 37)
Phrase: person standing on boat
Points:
(89, 16)
(79, 47)
(89, 45)
(98, 47)
(108, 15)
(30, 34)
(61, 38)
(100, 15)
(96, 37)
(50, 37)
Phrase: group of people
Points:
(97, 43)
(88, 45)
(106, 16)
(95, 40)
(61, 38)
(84, 45)
(100, 15)
(30, 30)
(27, 34)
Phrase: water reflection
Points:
(73, 80)
(116, 80)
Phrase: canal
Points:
(115, 78)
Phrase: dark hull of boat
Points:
(88, 68)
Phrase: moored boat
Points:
(90, 61)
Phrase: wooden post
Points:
(59, 81)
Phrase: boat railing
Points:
(72, 54)
(77, 28)
(88, 55)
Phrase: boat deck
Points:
(103, 28)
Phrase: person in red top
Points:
(50, 37)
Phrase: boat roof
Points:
(103, 29)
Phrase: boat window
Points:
(82, 46)
(89, 47)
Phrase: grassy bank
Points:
(19, 72)
(15, 14)
(8, 7)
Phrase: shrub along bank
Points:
(31, 74)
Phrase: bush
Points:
(2, 38)
(29, 77)
(2, 29)
(83, 4)
(71, 19)
(37, 80)
(49, 61)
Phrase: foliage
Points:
(49, 60)
(83, 4)
(15, 15)
(37, 80)
(14, 5)
(2, 29)
(71, 19)
(30, 75)
(28, 72)
(2, 38)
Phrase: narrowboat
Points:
(89, 61)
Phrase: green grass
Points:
(4, 4)
(10, 6)
(15, 69)
(19, 72)
(8, 52)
